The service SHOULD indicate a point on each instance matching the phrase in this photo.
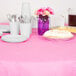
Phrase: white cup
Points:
(14, 28)
(25, 29)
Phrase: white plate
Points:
(12, 38)
(53, 38)
(58, 34)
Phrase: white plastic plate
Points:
(14, 38)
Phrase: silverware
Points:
(12, 18)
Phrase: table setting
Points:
(41, 51)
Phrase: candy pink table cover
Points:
(38, 57)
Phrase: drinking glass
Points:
(72, 17)
(26, 11)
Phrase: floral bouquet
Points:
(44, 11)
(43, 19)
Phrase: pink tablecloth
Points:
(38, 57)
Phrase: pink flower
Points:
(40, 11)
(50, 10)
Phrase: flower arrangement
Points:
(43, 19)
(45, 11)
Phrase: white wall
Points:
(14, 6)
